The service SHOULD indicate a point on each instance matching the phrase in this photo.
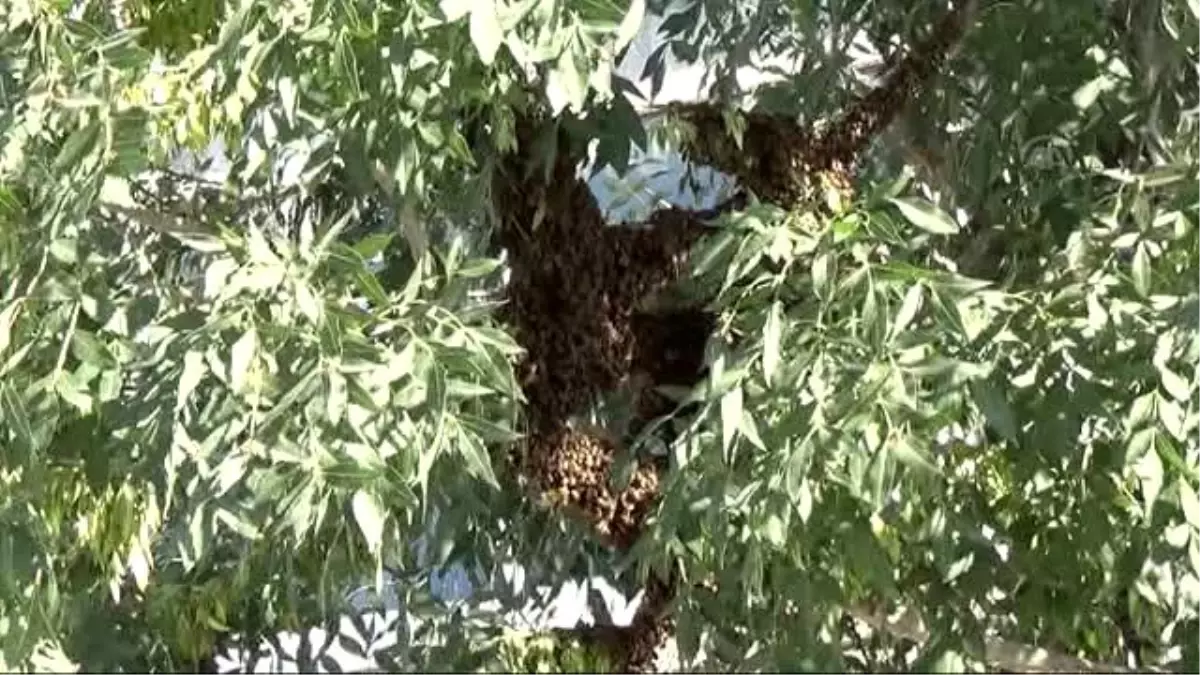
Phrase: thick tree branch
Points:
(786, 164)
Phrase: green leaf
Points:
(566, 87)
(1141, 270)
(908, 309)
(1194, 555)
(1176, 386)
(774, 530)
(749, 429)
(910, 456)
(1172, 417)
(486, 32)
(479, 464)
(804, 501)
(8, 317)
(74, 393)
(16, 417)
(336, 397)
(925, 215)
(116, 191)
(370, 518)
(241, 355)
(1189, 503)
(772, 336)
(238, 524)
(1149, 470)
(487, 430)
(630, 24)
(1086, 95)
(79, 143)
(824, 271)
(731, 417)
(193, 371)
(996, 410)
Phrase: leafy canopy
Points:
(225, 401)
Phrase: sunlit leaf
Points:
(486, 32)
(1189, 503)
(1149, 470)
(1141, 270)
(925, 215)
(370, 518)
(908, 308)
(907, 454)
(241, 356)
(630, 24)
(193, 372)
(772, 338)
(731, 417)
(1175, 385)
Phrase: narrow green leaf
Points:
(8, 317)
(731, 417)
(1176, 386)
(772, 337)
(486, 32)
(908, 455)
(566, 87)
(1193, 556)
(461, 389)
(1141, 270)
(79, 143)
(370, 517)
(908, 309)
(239, 525)
(925, 215)
(1189, 503)
(240, 357)
(749, 429)
(487, 430)
(1149, 470)
(193, 372)
(478, 463)
(823, 272)
(804, 501)
(1172, 417)
(336, 398)
(996, 410)
(1085, 96)
(75, 393)
(630, 24)
(16, 417)
(307, 302)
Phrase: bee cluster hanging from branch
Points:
(575, 298)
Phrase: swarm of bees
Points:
(788, 165)
(572, 468)
(577, 285)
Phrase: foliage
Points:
(217, 413)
